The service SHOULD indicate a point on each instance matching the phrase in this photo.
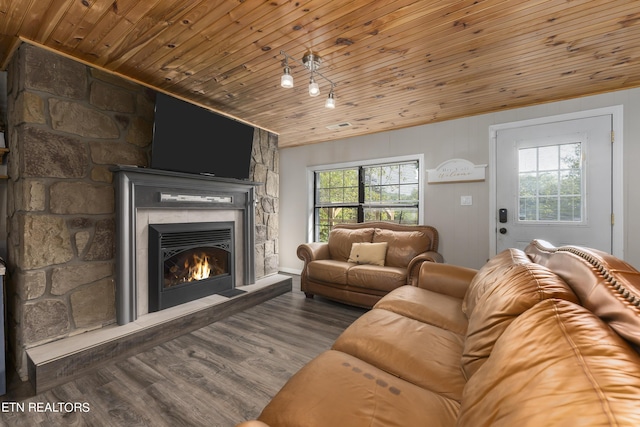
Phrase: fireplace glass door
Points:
(194, 264)
(189, 261)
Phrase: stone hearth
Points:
(60, 361)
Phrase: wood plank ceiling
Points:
(396, 63)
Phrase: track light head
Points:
(286, 80)
(331, 101)
(314, 88)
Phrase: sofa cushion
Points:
(557, 364)
(517, 289)
(328, 270)
(422, 354)
(403, 246)
(376, 277)
(443, 311)
(341, 239)
(368, 253)
(336, 389)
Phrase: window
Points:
(380, 192)
(550, 183)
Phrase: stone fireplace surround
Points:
(67, 126)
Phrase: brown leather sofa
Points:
(542, 337)
(329, 272)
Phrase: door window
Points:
(550, 184)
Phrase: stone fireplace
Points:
(68, 127)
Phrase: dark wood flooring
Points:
(216, 376)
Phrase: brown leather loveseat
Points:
(362, 262)
(542, 337)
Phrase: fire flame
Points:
(192, 266)
(198, 267)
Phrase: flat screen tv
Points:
(188, 138)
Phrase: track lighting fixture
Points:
(311, 62)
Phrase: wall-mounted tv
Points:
(188, 138)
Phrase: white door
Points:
(553, 182)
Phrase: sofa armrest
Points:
(447, 279)
(313, 251)
(413, 269)
(433, 256)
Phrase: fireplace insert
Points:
(189, 261)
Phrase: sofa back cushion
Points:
(491, 273)
(604, 284)
(557, 364)
(402, 246)
(341, 239)
(506, 287)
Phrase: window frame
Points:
(311, 171)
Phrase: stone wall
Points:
(265, 168)
(67, 125)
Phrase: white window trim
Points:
(311, 170)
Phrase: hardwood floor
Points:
(216, 376)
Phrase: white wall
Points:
(464, 230)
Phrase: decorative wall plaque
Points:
(456, 170)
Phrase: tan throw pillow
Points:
(368, 253)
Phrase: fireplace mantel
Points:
(142, 188)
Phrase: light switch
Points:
(466, 200)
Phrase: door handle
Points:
(503, 230)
